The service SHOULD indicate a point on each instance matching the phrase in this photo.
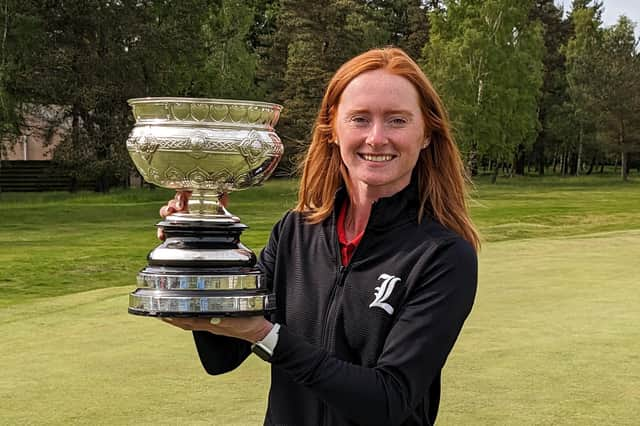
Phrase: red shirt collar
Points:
(346, 247)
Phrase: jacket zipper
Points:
(330, 313)
(329, 318)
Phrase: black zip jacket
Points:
(362, 344)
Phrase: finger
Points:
(177, 202)
(182, 200)
(166, 210)
(224, 199)
(160, 234)
(174, 205)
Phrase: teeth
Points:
(378, 158)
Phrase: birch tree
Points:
(582, 52)
(485, 57)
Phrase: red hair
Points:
(440, 171)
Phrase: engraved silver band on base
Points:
(200, 282)
(164, 305)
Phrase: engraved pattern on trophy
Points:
(208, 147)
(253, 149)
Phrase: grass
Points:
(58, 243)
(530, 207)
(552, 339)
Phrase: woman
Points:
(374, 270)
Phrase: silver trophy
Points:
(208, 147)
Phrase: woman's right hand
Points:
(180, 203)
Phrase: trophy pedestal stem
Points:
(201, 269)
(205, 206)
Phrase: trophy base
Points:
(201, 270)
(156, 303)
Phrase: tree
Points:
(582, 52)
(302, 43)
(310, 41)
(15, 26)
(90, 57)
(403, 23)
(554, 88)
(229, 63)
(485, 57)
(616, 90)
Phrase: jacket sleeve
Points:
(221, 354)
(414, 352)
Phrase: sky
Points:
(613, 9)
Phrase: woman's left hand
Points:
(251, 329)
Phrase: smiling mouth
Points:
(378, 158)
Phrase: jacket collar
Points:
(399, 208)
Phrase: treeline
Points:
(529, 88)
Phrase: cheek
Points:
(414, 153)
(346, 150)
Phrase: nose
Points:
(377, 134)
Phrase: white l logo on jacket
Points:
(383, 292)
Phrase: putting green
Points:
(553, 339)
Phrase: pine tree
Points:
(616, 90)
(89, 57)
(310, 40)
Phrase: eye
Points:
(359, 120)
(398, 121)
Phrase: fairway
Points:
(553, 338)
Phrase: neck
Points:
(356, 218)
(362, 197)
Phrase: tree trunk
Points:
(623, 154)
(472, 163)
(75, 142)
(592, 165)
(494, 175)
(539, 150)
(579, 159)
(519, 160)
(572, 166)
(624, 167)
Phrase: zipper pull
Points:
(341, 274)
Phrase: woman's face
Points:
(381, 131)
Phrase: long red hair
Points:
(440, 170)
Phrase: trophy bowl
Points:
(208, 147)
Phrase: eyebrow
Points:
(389, 112)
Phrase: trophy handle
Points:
(205, 206)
